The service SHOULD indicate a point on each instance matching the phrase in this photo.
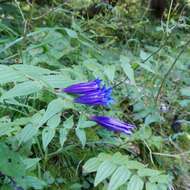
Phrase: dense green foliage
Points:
(48, 142)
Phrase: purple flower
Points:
(83, 88)
(113, 124)
(98, 97)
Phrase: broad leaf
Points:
(63, 132)
(47, 135)
(104, 170)
(119, 177)
(11, 163)
(135, 183)
(91, 165)
(27, 133)
(53, 108)
(81, 135)
(148, 172)
(127, 68)
(23, 89)
(151, 186)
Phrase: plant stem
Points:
(170, 69)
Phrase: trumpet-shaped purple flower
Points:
(83, 88)
(99, 97)
(113, 124)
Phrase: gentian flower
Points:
(83, 88)
(98, 97)
(113, 124)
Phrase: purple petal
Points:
(113, 124)
(82, 88)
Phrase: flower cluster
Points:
(92, 93)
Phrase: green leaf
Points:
(148, 172)
(104, 170)
(11, 163)
(54, 107)
(83, 123)
(57, 81)
(119, 177)
(27, 133)
(162, 187)
(71, 33)
(147, 67)
(7, 74)
(151, 186)
(109, 71)
(127, 68)
(47, 136)
(185, 91)
(118, 158)
(63, 132)
(159, 179)
(143, 133)
(81, 135)
(135, 183)
(68, 124)
(30, 162)
(132, 164)
(6, 129)
(34, 182)
(31, 70)
(23, 89)
(91, 165)
(54, 121)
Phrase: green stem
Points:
(170, 69)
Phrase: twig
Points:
(171, 155)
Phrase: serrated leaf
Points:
(135, 183)
(47, 136)
(23, 89)
(119, 177)
(81, 135)
(104, 170)
(54, 107)
(91, 165)
(127, 68)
